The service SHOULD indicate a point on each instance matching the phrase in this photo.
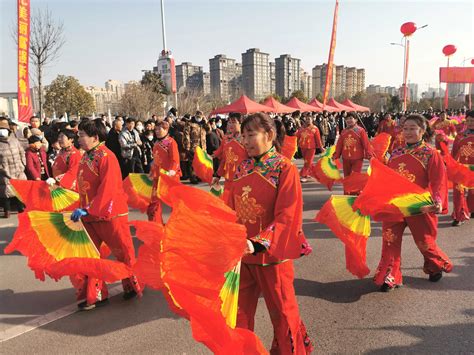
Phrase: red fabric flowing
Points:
(374, 198)
(26, 241)
(187, 260)
(355, 243)
(380, 145)
(290, 146)
(457, 173)
(355, 182)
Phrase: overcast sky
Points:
(111, 39)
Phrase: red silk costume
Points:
(447, 127)
(230, 154)
(387, 126)
(101, 194)
(309, 139)
(423, 165)
(463, 152)
(65, 167)
(266, 195)
(353, 145)
(398, 140)
(166, 157)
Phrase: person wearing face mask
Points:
(148, 139)
(421, 164)
(219, 130)
(165, 157)
(12, 166)
(36, 160)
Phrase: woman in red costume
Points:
(309, 139)
(445, 128)
(387, 125)
(165, 157)
(103, 211)
(398, 140)
(230, 153)
(353, 145)
(422, 164)
(67, 162)
(463, 152)
(266, 195)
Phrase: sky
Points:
(116, 39)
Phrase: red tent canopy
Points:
(278, 107)
(356, 107)
(339, 106)
(242, 105)
(314, 102)
(297, 104)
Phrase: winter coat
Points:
(130, 142)
(12, 164)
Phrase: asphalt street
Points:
(343, 315)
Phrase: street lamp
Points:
(407, 29)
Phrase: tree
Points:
(154, 82)
(141, 100)
(66, 94)
(46, 41)
(275, 96)
(299, 94)
(319, 97)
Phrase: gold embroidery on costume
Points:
(247, 208)
(231, 160)
(389, 236)
(467, 150)
(349, 143)
(405, 173)
(83, 186)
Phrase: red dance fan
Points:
(193, 259)
(380, 145)
(351, 227)
(355, 182)
(203, 165)
(290, 146)
(39, 196)
(390, 202)
(59, 247)
(139, 189)
(458, 173)
(325, 170)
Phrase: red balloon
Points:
(408, 28)
(450, 49)
(472, 61)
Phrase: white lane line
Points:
(21, 329)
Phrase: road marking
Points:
(21, 329)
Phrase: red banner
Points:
(332, 49)
(25, 109)
(456, 75)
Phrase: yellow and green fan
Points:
(39, 196)
(411, 204)
(325, 170)
(230, 295)
(139, 189)
(351, 227)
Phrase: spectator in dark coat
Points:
(112, 142)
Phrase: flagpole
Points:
(332, 49)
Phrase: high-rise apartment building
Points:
(255, 74)
(225, 77)
(287, 75)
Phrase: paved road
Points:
(342, 314)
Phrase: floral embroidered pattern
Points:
(269, 166)
(92, 158)
(349, 144)
(247, 208)
(421, 151)
(389, 236)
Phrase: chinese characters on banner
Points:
(25, 110)
(332, 49)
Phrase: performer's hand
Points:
(78, 213)
(215, 180)
(436, 208)
(250, 248)
(51, 181)
(171, 172)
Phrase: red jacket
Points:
(353, 144)
(36, 163)
(65, 167)
(309, 138)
